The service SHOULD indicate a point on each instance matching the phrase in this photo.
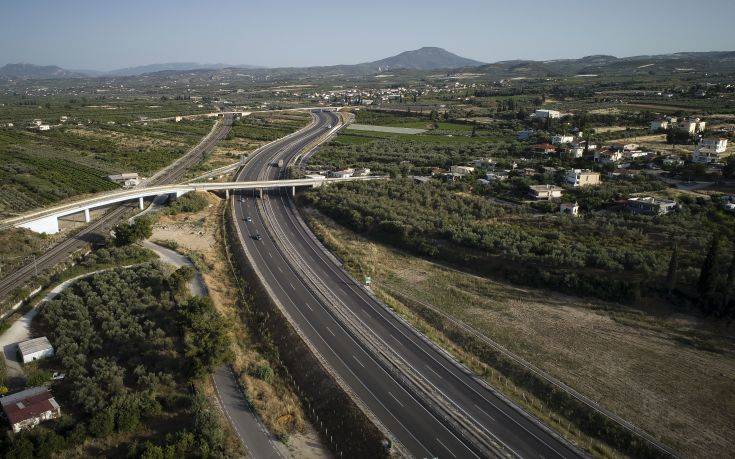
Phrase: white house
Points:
(485, 163)
(497, 176)
(709, 150)
(127, 179)
(544, 113)
(34, 349)
(462, 170)
(545, 191)
(569, 209)
(582, 177)
(44, 127)
(344, 173)
(575, 152)
(691, 125)
(608, 156)
(561, 139)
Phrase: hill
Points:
(30, 71)
(426, 58)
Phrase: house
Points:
(569, 209)
(344, 173)
(34, 349)
(461, 170)
(544, 114)
(545, 191)
(543, 148)
(575, 152)
(633, 154)
(608, 156)
(691, 125)
(126, 179)
(44, 127)
(582, 177)
(485, 163)
(649, 205)
(709, 150)
(672, 160)
(178, 118)
(561, 139)
(525, 134)
(659, 125)
(497, 176)
(27, 408)
(362, 172)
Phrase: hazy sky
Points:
(104, 35)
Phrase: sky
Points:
(106, 35)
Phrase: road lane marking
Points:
(485, 413)
(432, 370)
(445, 447)
(330, 331)
(394, 398)
(358, 361)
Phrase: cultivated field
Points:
(393, 130)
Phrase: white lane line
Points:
(394, 398)
(330, 331)
(269, 254)
(279, 269)
(310, 308)
(292, 287)
(358, 361)
(485, 413)
(445, 447)
(432, 370)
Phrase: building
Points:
(543, 148)
(582, 177)
(575, 152)
(545, 191)
(561, 139)
(659, 125)
(624, 146)
(485, 163)
(26, 409)
(709, 150)
(34, 349)
(127, 180)
(497, 176)
(362, 172)
(691, 125)
(569, 209)
(344, 173)
(649, 205)
(462, 170)
(672, 160)
(544, 114)
(44, 127)
(608, 156)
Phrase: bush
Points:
(189, 202)
(128, 233)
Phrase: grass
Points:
(639, 365)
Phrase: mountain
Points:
(426, 58)
(171, 66)
(35, 72)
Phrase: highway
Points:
(431, 405)
(61, 251)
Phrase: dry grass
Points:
(672, 375)
(277, 405)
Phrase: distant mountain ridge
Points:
(424, 59)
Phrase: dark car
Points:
(257, 237)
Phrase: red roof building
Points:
(26, 409)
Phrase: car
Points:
(248, 219)
(257, 237)
(242, 199)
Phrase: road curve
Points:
(329, 307)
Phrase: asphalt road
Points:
(295, 266)
(61, 251)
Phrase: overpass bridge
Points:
(47, 220)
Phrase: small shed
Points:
(36, 348)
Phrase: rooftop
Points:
(28, 404)
(34, 345)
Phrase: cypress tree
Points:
(673, 269)
(708, 273)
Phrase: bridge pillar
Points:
(141, 203)
(227, 194)
(260, 192)
(87, 217)
(293, 191)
